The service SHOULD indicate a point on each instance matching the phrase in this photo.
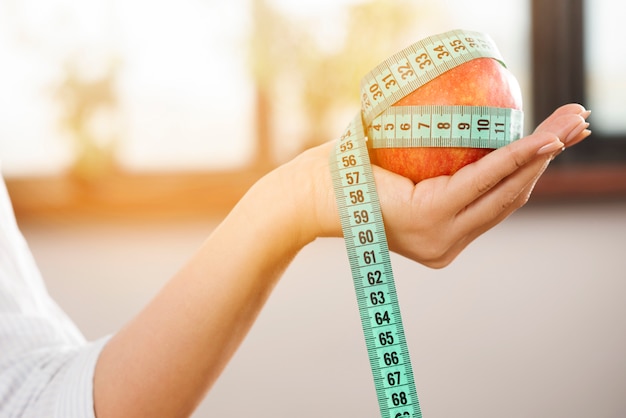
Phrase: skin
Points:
(164, 360)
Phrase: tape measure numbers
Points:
(364, 234)
(418, 64)
(357, 199)
(445, 126)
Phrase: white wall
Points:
(529, 322)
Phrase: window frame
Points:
(591, 171)
(596, 168)
(559, 74)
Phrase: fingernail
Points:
(551, 147)
(586, 114)
(573, 134)
(582, 136)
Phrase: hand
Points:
(433, 221)
(203, 313)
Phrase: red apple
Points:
(479, 82)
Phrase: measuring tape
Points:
(445, 126)
(357, 199)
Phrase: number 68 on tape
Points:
(366, 245)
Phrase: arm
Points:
(163, 362)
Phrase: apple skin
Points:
(479, 82)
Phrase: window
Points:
(605, 65)
(174, 89)
(161, 84)
(577, 57)
(214, 87)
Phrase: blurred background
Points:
(128, 129)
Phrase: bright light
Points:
(606, 64)
(185, 90)
(183, 84)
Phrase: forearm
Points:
(163, 362)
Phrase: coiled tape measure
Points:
(357, 199)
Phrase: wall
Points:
(529, 321)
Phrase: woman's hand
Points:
(433, 221)
(202, 314)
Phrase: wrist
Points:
(307, 192)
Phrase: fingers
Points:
(580, 137)
(472, 233)
(434, 220)
(568, 109)
(475, 220)
(501, 201)
(514, 190)
(575, 135)
(564, 127)
(476, 179)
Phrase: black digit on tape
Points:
(357, 198)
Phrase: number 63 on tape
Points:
(357, 198)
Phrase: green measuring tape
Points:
(445, 126)
(357, 199)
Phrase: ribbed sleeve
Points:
(46, 366)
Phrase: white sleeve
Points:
(46, 366)
(55, 382)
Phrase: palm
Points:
(433, 221)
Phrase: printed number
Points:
(406, 71)
(366, 101)
(346, 146)
(361, 216)
(374, 277)
(391, 358)
(386, 338)
(423, 61)
(457, 45)
(405, 126)
(477, 43)
(357, 197)
(393, 378)
(389, 81)
(399, 399)
(366, 236)
(348, 160)
(464, 126)
(369, 257)
(377, 298)
(375, 90)
(403, 414)
(382, 318)
(352, 178)
(443, 125)
(442, 52)
(483, 124)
